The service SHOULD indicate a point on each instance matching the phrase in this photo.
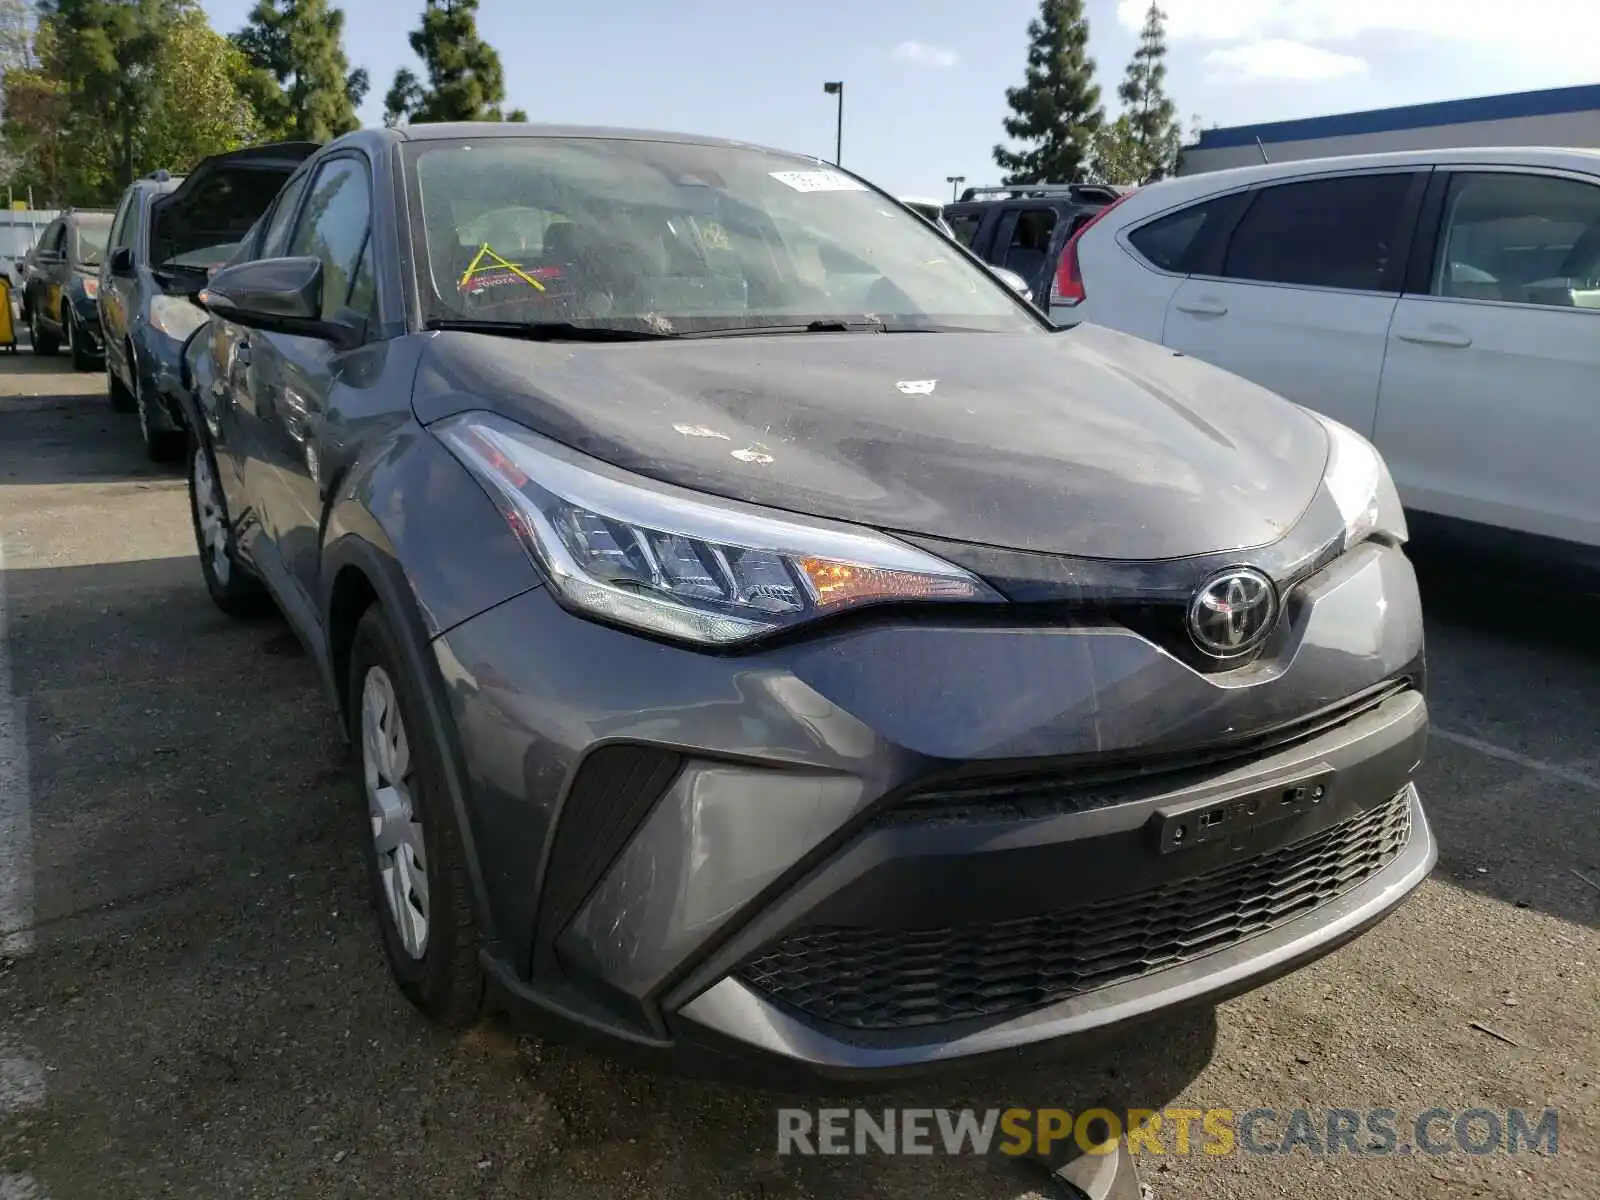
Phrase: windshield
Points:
(89, 240)
(677, 238)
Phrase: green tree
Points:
(1117, 155)
(1152, 116)
(465, 80)
(304, 88)
(201, 107)
(105, 57)
(1056, 112)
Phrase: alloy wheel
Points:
(396, 832)
(208, 508)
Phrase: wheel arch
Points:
(363, 574)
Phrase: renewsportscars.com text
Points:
(1369, 1132)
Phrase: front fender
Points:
(414, 505)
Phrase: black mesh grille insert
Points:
(865, 978)
(613, 791)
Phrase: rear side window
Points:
(964, 226)
(1172, 242)
(1334, 233)
(1030, 241)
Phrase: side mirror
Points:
(278, 295)
(1015, 282)
(121, 264)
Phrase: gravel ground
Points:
(199, 1008)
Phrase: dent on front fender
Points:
(414, 503)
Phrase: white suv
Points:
(1446, 304)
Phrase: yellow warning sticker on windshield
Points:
(488, 260)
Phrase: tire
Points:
(44, 344)
(82, 359)
(121, 397)
(409, 834)
(234, 590)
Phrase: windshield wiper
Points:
(546, 331)
(824, 325)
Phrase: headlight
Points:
(1360, 486)
(673, 563)
(175, 316)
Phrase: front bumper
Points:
(910, 844)
(158, 372)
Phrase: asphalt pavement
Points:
(193, 1004)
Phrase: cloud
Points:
(921, 54)
(1278, 58)
(1534, 33)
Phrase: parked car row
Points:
(747, 609)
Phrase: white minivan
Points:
(1444, 303)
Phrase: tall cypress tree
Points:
(465, 80)
(1152, 116)
(106, 53)
(299, 46)
(1056, 112)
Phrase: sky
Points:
(925, 80)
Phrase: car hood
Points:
(218, 201)
(1086, 442)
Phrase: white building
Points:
(1557, 117)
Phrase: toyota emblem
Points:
(1233, 612)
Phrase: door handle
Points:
(1204, 308)
(1455, 341)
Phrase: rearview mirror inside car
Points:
(278, 295)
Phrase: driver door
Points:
(230, 405)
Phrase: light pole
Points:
(954, 181)
(836, 88)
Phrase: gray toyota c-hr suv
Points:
(767, 642)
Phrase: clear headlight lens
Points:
(175, 316)
(673, 563)
(1359, 483)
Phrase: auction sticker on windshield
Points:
(818, 181)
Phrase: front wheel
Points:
(415, 860)
(120, 395)
(232, 588)
(77, 346)
(43, 343)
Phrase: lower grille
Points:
(879, 979)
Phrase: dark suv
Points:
(170, 233)
(1025, 228)
(59, 284)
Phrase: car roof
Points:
(1205, 183)
(478, 130)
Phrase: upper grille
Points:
(1038, 794)
(865, 978)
